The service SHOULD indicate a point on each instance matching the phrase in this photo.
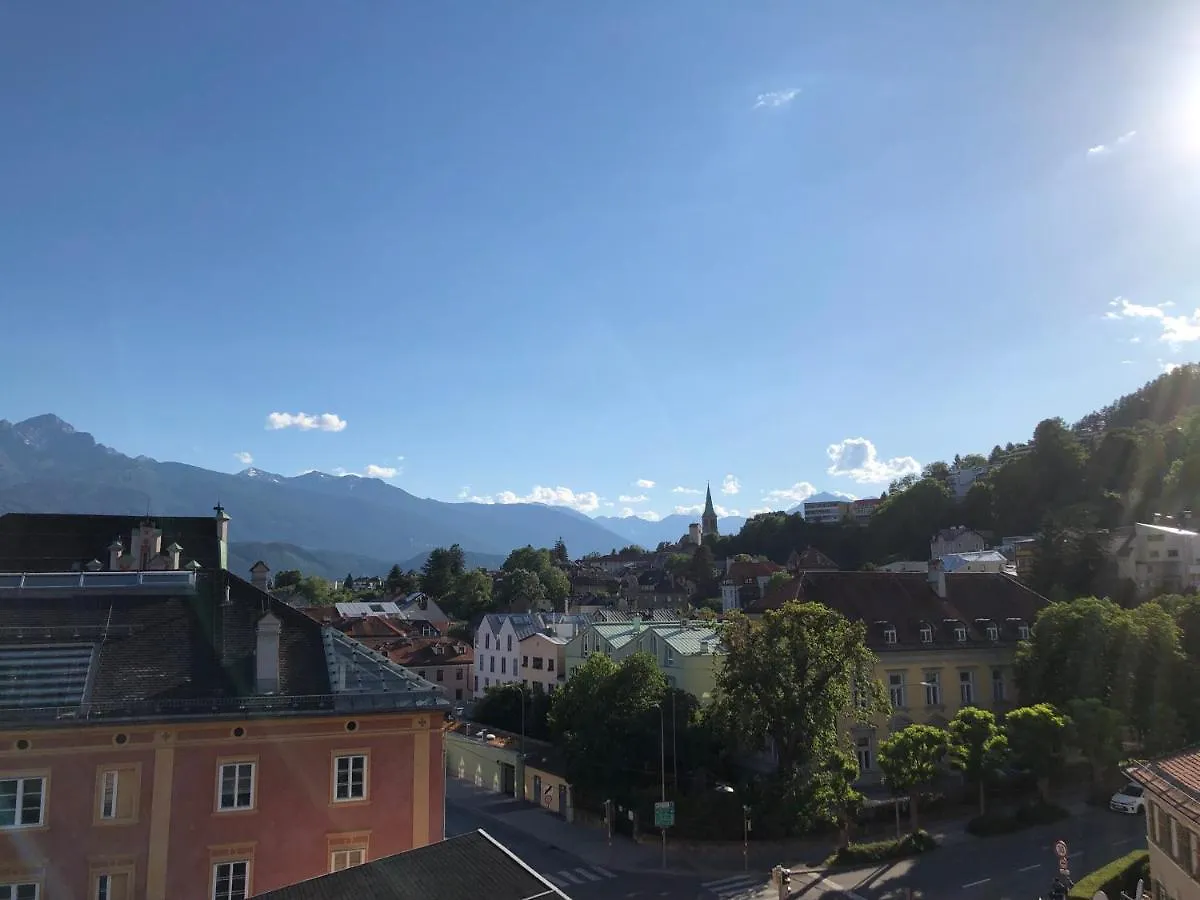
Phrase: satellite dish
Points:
(1100, 895)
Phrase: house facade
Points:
(958, 539)
(1159, 558)
(501, 648)
(447, 663)
(941, 641)
(745, 582)
(827, 511)
(1172, 794)
(177, 732)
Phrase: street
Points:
(1008, 867)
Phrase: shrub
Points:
(879, 851)
(1120, 875)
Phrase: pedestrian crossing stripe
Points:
(733, 885)
(568, 877)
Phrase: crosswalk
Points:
(734, 886)
(567, 877)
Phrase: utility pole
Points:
(745, 838)
(662, 743)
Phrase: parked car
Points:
(1128, 800)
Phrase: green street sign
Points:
(664, 814)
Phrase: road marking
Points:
(558, 882)
(1119, 843)
(588, 875)
(834, 886)
(728, 882)
(603, 871)
(977, 883)
(1075, 854)
(570, 876)
(1030, 868)
(733, 886)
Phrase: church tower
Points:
(708, 521)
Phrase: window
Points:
(966, 688)
(441, 674)
(487, 683)
(458, 693)
(510, 643)
(22, 803)
(112, 886)
(1172, 554)
(458, 674)
(236, 789)
(108, 794)
(477, 684)
(926, 634)
(933, 689)
(549, 664)
(487, 642)
(993, 632)
(344, 859)
(492, 664)
(421, 673)
(117, 794)
(525, 662)
(350, 777)
(503, 665)
(997, 684)
(481, 664)
(862, 750)
(24, 891)
(889, 634)
(537, 662)
(1023, 631)
(231, 880)
(669, 658)
(960, 633)
(896, 689)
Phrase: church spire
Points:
(708, 521)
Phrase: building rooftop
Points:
(466, 867)
(1175, 779)
(908, 601)
(370, 608)
(690, 639)
(155, 645)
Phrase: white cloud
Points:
(857, 458)
(1135, 340)
(244, 457)
(464, 492)
(1105, 149)
(730, 485)
(305, 421)
(775, 99)
(583, 501)
(699, 508)
(797, 493)
(1127, 362)
(759, 511)
(639, 498)
(645, 514)
(371, 471)
(644, 483)
(1168, 367)
(1176, 330)
(686, 490)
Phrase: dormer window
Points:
(1023, 631)
(926, 634)
(889, 634)
(960, 633)
(993, 632)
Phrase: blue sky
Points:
(551, 250)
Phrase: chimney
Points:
(222, 523)
(260, 574)
(94, 566)
(173, 553)
(114, 555)
(637, 624)
(266, 654)
(937, 577)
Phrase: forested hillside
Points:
(1138, 456)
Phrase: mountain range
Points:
(323, 524)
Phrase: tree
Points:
(472, 595)
(400, 583)
(527, 558)
(500, 707)
(438, 572)
(1035, 736)
(700, 572)
(556, 586)
(786, 683)
(348, 584)
(1095, 731)
(521, 591)
(977, 747)
(559, 553)
(909, 759)
(287, 578)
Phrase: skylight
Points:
(46, 675)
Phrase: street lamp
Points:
(662, 745)
(726, 789)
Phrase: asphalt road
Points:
(1008, 867)
(583, 881)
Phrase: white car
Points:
(1128, 800)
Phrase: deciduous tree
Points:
(977, 747)
(1035, 736)
(909, 759)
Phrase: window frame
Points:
(926, 634)
(993, 631)
(346, 852)
(216, 869)
(236, 762)
(895, 690)
(351, 754)
(117, 867)
(933, 688)
(15, 886)
(127, 781)
(20, 777)
(966, 687)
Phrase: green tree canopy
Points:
(1095, 731)
(909, 759)
(520, 590)
(977, 746)
(1036, 735)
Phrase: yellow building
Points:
(687, 652)
(942, 641)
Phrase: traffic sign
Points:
(664, 814)
(1060, 849)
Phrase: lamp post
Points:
(662, 744)
(726, 789)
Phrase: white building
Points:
(979, 561)
(958, 539)
(1159, 557)
(827, 511)
(960, 480)
(508, 644)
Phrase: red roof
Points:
(1175, 779)
(421, 652)
(740, 571)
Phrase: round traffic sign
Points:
(1060, 849)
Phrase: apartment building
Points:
(827, 511)
(1159, 558)
(522, 647)
(169, 730)
(1172, 794)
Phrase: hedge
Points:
(879, 851)
(1023, 817)
(1119, 875)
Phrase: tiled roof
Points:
(466, 867)
(178, 644)
(740, 571)
(421, 652)
(908, 601)
(1175, 779)
(40, 542)
(811, 558)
